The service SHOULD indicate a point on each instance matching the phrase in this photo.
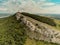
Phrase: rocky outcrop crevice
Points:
(38, 30)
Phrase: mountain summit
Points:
(25, 29)
(38, 30)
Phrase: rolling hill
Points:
(12, 31)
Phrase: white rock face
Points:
(39, 31)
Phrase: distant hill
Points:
(55, 16)
(12, 32)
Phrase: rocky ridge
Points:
(38, 30)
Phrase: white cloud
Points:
(49, 4)
(30, 6)
(27, 6)
(3, 9)
(42, 0)
(11, 5)
(52, 10)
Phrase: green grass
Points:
(30, 41)
(11, 32)
(57, 24)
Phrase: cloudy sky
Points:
(32, 6)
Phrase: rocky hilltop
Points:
(38, 30)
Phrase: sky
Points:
(31, 6)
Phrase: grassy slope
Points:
(12, 33)
(57, 24)
(36, 42)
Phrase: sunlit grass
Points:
(11, 32)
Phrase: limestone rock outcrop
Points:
(38, 30)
